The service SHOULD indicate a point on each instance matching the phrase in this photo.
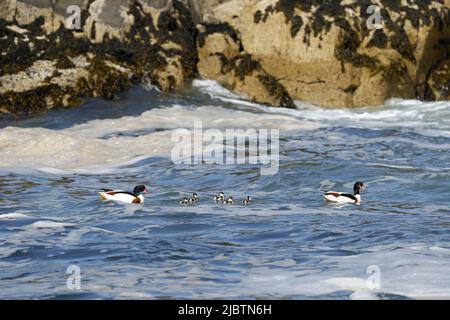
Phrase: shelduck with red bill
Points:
(341, 197)
(134, 197)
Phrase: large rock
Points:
(203, 10)
(120, 42)
(323, 52)
(271, 51)
(221, 58)
(439, 81)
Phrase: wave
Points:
(13, 216)
(107, 145)
(47, 224)
(406, 271)
(428, 118)
(104, 145)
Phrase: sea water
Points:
(58, 240)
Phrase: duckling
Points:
(228, 201)
(193, 199)
(220, 197)
(247, 201)
(184, 201)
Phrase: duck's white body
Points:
(341, 197)
(121, 196)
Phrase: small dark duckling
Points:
(220, 197)
(194, 198)
(247, 201)
(228, 201)
(184, 201)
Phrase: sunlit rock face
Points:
(325, 53)
(46, 64)
(222, 58)
(328, 53)
(439, 81)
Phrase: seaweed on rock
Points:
(276, 90)
(137, 52)
(211, 28)
(324, 14)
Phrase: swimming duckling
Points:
(341, 197)
(184, 201)
(247, 201)
(220, 197)
(228, 201)
(193, 199)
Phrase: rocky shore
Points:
(270, 51)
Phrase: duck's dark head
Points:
(140, 189)
(358, 187)
(195, 196)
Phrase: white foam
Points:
(430, 118)
(214, 89)
(106, 145)
(440, 249)
(363, 295)
(47, 224)
(103, 146)
(133, 295)
(411, 270)
(13, 216)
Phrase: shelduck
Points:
(341, 197)
(134, 197)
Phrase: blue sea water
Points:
(288, 244)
